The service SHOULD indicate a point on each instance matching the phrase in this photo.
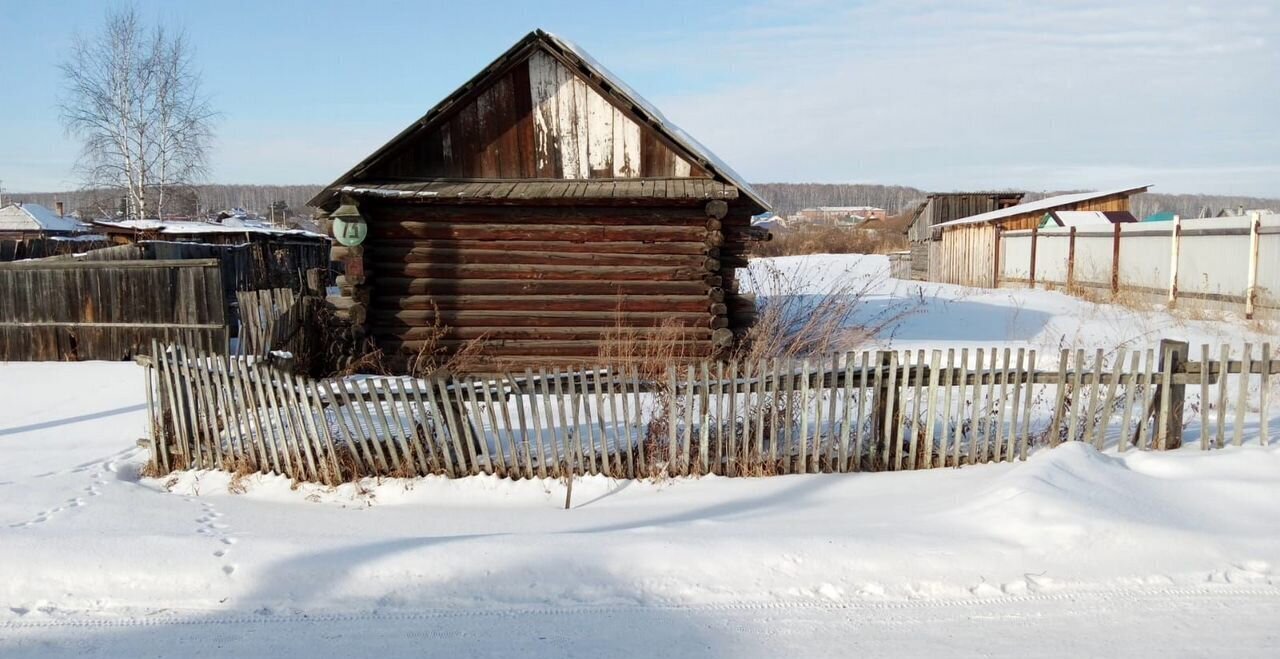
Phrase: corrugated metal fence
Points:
(1227, 263)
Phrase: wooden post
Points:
(1115, 259)
(1035, 234)
(885, 407)
(1251, 291)
(1175, 243)
(1169, 396)
(995, 265)
(1071, 259)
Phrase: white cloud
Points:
(1000, 94)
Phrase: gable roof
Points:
(581, 64)
(1046, 204)
(34, 217)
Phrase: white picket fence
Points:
(865, 411)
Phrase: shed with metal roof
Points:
(34, 219)
(966, 250)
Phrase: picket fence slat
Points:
(1264, 394)
(1242, 394)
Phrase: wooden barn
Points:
(540, 208)
(966, 251)
(945, 207)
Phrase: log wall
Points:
(544, 282)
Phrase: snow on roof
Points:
(1046, 204)
(228, 225)
(34, 217)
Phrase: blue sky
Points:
(943, 96)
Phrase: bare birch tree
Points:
(134, 99)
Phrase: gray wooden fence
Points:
(867, 411)
(70, 310)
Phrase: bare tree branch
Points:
(134, 100)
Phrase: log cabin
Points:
(538, 210)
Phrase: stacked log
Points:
(542, 282)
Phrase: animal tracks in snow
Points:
(93, 489)
(210, 526)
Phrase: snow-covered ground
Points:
(1071, 553)
(933, 316)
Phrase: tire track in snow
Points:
(1101, 596)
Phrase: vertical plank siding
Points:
(868, 411)
(111, 310)
(539, 120)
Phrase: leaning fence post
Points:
(1170, 395)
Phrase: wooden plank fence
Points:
(71, 310)
(866, 411)
(267, 318)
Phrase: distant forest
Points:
(785, 197)
(194, 201)
(788, 198)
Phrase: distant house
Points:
(1241, 211)
(966, 251)
(33, 231)
(1163, 216)
(891, 232)
(944, 207)
(32, 220)
(1085, 218)
(229, 231)
(831, 215)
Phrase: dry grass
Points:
(647, 350)
(1126, 298)
(242, 468)
(433, 357)
(810, 239)
(793, 321)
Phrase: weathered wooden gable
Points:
(539, 119)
